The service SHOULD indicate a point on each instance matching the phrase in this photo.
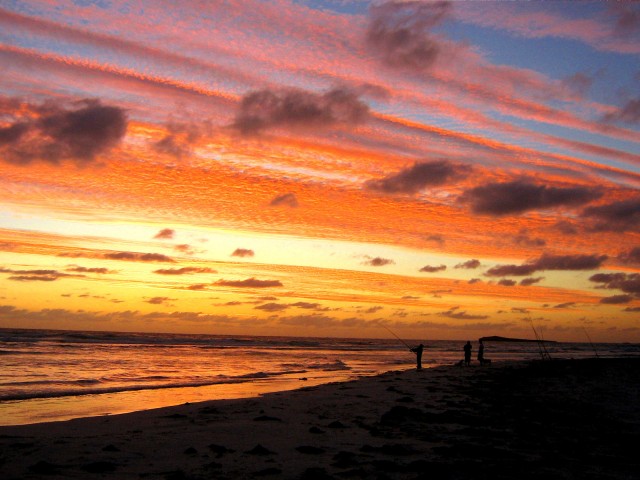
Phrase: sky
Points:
(438, 170)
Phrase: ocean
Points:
(48, 375)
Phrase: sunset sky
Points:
(443, 170)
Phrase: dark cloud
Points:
(34, 278)
(505, 282)
(185, 248)
(521, 196)
(419, 176)
(272, 307)
(474, 280)
(165, 234)
(399, 32)
(138, 257)
(618, 216)
(374, 309)
(631, 257)
(632, 309)
(80, 133)
(99, 270)
(159, 300)
(565, 305)
(627, 17)
(549, 262)
(310, 306)
(13, 133)
(197, 286)
(616, 299)
(379, 262)
(524, 240)
(566, 227)
(570, 262)
(526, 282)
(242, 252)
(296, 108)
(627, 282)
(180, 139)
(439, 239)
(285, 200)
(457, 314)
(515, 270)
(628, 113)
(37, 275)
(578, 83)
(184, 270)
(249, 283)
(469, 264)
(432, 269)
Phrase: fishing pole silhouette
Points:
(403, 342)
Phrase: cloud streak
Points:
(418, 177)
(521, 196)
(296, 108)
(549, 262)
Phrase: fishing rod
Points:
(403, 342)
(543, 350)
(592, 345)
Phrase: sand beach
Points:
(554, 419)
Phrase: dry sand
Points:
(560, 419)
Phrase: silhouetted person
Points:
(467, 353)
(481, 353)
(418, 351)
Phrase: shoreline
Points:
(571, 418)
(71, 407)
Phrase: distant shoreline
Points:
(497, 338)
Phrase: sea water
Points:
(50, 375)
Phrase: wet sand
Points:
(556, 419)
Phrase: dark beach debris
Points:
(100, 467)
(260, 450)
(219, 450)
(316, 430)
(45, 468)
(267, 418)
(315, 473)
(310, 450)
(190, 451)
(110, 448)
(337, 424)
(267, 472)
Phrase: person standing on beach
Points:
(418, 351)
(467, 353)
(481, 353)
